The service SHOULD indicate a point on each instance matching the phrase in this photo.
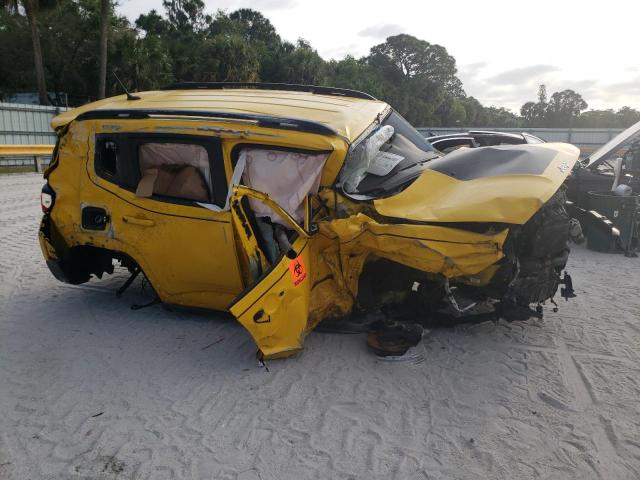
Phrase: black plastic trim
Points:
(289, 87)
(265, 121)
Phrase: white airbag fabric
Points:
(287, 177)
(359, 160)
(154, 155)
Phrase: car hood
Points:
(613, 144)
(505, 184)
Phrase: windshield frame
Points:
(364, 136)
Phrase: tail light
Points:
(47, 198)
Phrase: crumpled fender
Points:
(505, 184)
(450, 252)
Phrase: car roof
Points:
(472, 133)
(347, 115)
(491, 132)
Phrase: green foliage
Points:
(623, 118)
(564, 107)
(15, 54)
(567, 109)
(418, 78)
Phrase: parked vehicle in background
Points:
(286, 205)
(597, 172)
(480, 138)
(608, 182)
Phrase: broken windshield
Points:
(390, 157)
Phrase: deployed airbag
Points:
(286, 176)
(154, 155)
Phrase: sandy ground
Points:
(92, 390)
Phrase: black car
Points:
(597, 172)
(480, 138)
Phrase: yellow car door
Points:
(275, 308)
(186, 250)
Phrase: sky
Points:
(503, 49)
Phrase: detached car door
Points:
(275, 309)
(159, 182)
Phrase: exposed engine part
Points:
(453, 301)
(529, 274)
(542, 249)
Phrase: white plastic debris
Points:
(360, 159)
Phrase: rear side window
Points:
(106, 157)
(167, 167)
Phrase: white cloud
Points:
(381, 31)
(520, 75)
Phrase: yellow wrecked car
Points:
(288, 205)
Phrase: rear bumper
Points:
(51, 255)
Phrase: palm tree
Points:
(30, 8)
(105, 7)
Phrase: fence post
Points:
(35, 163)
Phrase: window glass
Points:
(404, 128)
(391, 156)
(533, 139)
(107, 157)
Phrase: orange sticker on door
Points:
(297, 271)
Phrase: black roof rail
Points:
(291, 87)
(267, 121)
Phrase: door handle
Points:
(143, 222)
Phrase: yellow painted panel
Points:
(25, 150)
(349, 117)
(436, 197)
(276, 310)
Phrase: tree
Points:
(535, 114)
(474, 111)
(355, 74)
(255, 27)
(406, 56)
(228, 59)
(626, 117)
(564, 107)
(542, 95)
(416, 77)
(299, 63)
(105, 13)
(186, 15)
(30, 7)
(501, 118)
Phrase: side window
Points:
(106, 163)
(168, 167)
